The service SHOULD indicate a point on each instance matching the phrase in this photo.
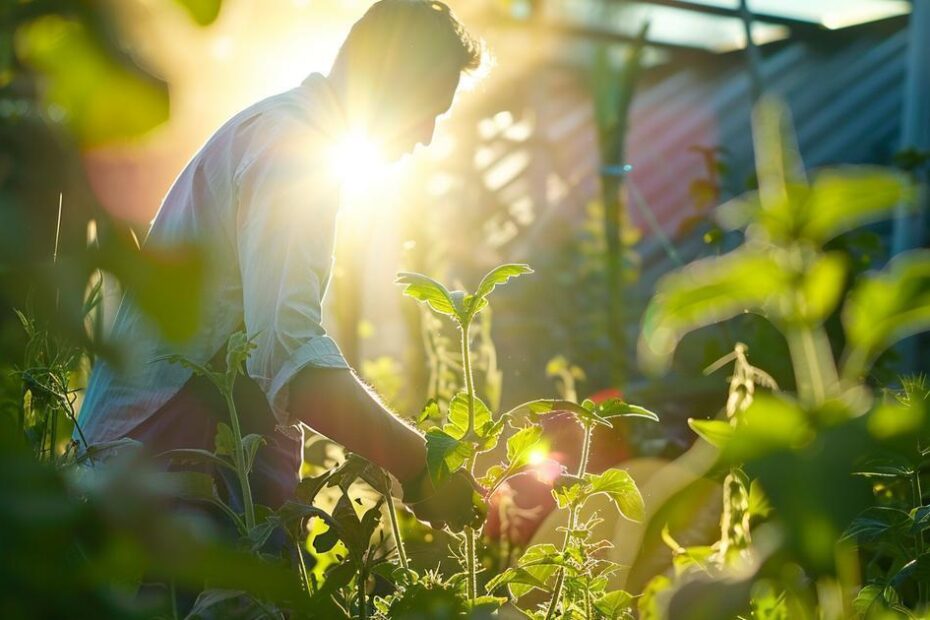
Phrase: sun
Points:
(356, 160)
(537, 456)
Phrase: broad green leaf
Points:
(499, 275)
(893, 419)
(428, 291)
(568, 491)
(822, 287)
(204, 12)
(195, 456)
(520, 446)
(444, 454)
(541, 561)
(516, 575)
(886, 307)
(458, 415)
(845, 198)
(920, 520)
(482, 606)
(224, 441)
(705, 292)
(619, 486)
(238, 348)
(615, 407)
(614, 604)
(491, 476)
(877, 523)
(715, 432)
(101, 98)
(770, 424)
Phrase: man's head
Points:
(399, 68)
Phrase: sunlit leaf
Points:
(822, 286)
(224, 441)
(515, 575)
(844, 198)
(614, 604)
(771, 423)
(619, 486)
(100, 98)
(428, 291)
(520, 446)
(778, 161)
(458, 415)
(616, 407)
(886, 307)
(706, 292)
(715, 432)
(500, 275)
(541, 561)
(545, 406)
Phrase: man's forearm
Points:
(334, 403)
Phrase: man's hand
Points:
(456, 503)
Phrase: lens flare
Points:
(356, 160)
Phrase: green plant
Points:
(803, 449)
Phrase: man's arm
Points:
(336, 404)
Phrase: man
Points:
(261, 198)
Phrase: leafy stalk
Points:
(395, 529)
(572, 521)
(240, 460)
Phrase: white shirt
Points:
(258, 197)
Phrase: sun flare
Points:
(356, 160)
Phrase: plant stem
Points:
(572, 522)
(921, 545)
(395, 529)
(174, 601)
(813, 363)
(302, 568)
(240, 462)
(470, 561)
(469, 380)
(362, 597)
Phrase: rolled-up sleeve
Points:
(286, 228)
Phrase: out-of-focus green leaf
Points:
(892, 419)
(771, 423)
(650, 606)
(715, 432)
(759, 504)
(844, 198)
(822, 287)
(101, 99)
(619, 486)
(886, 307)
(204, 12)
(706, 292)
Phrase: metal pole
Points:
(915, 121)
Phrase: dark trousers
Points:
(189, 420)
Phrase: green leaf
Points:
(619, 486)
(458, 416)
(429, 412)
(893, 419)
(614, 604)
(499, 275)
(224, 441)
(238, 348)
(516, 575)
(616, 407)
(204, 12)
(845, 198)
(102, 98)
(770, 424)
(822, 286)
(705, 292)
(545, 406)
(195, 456)
(715, 432)
(520, 446)
(444, 454)
(649, 604)
(886, 307)
(250, 444)
(778, 161)
(920, 520)
(759, 504)
(541, 561)
(429, 291)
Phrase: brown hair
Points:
(400, 42)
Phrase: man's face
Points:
(409, 116)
